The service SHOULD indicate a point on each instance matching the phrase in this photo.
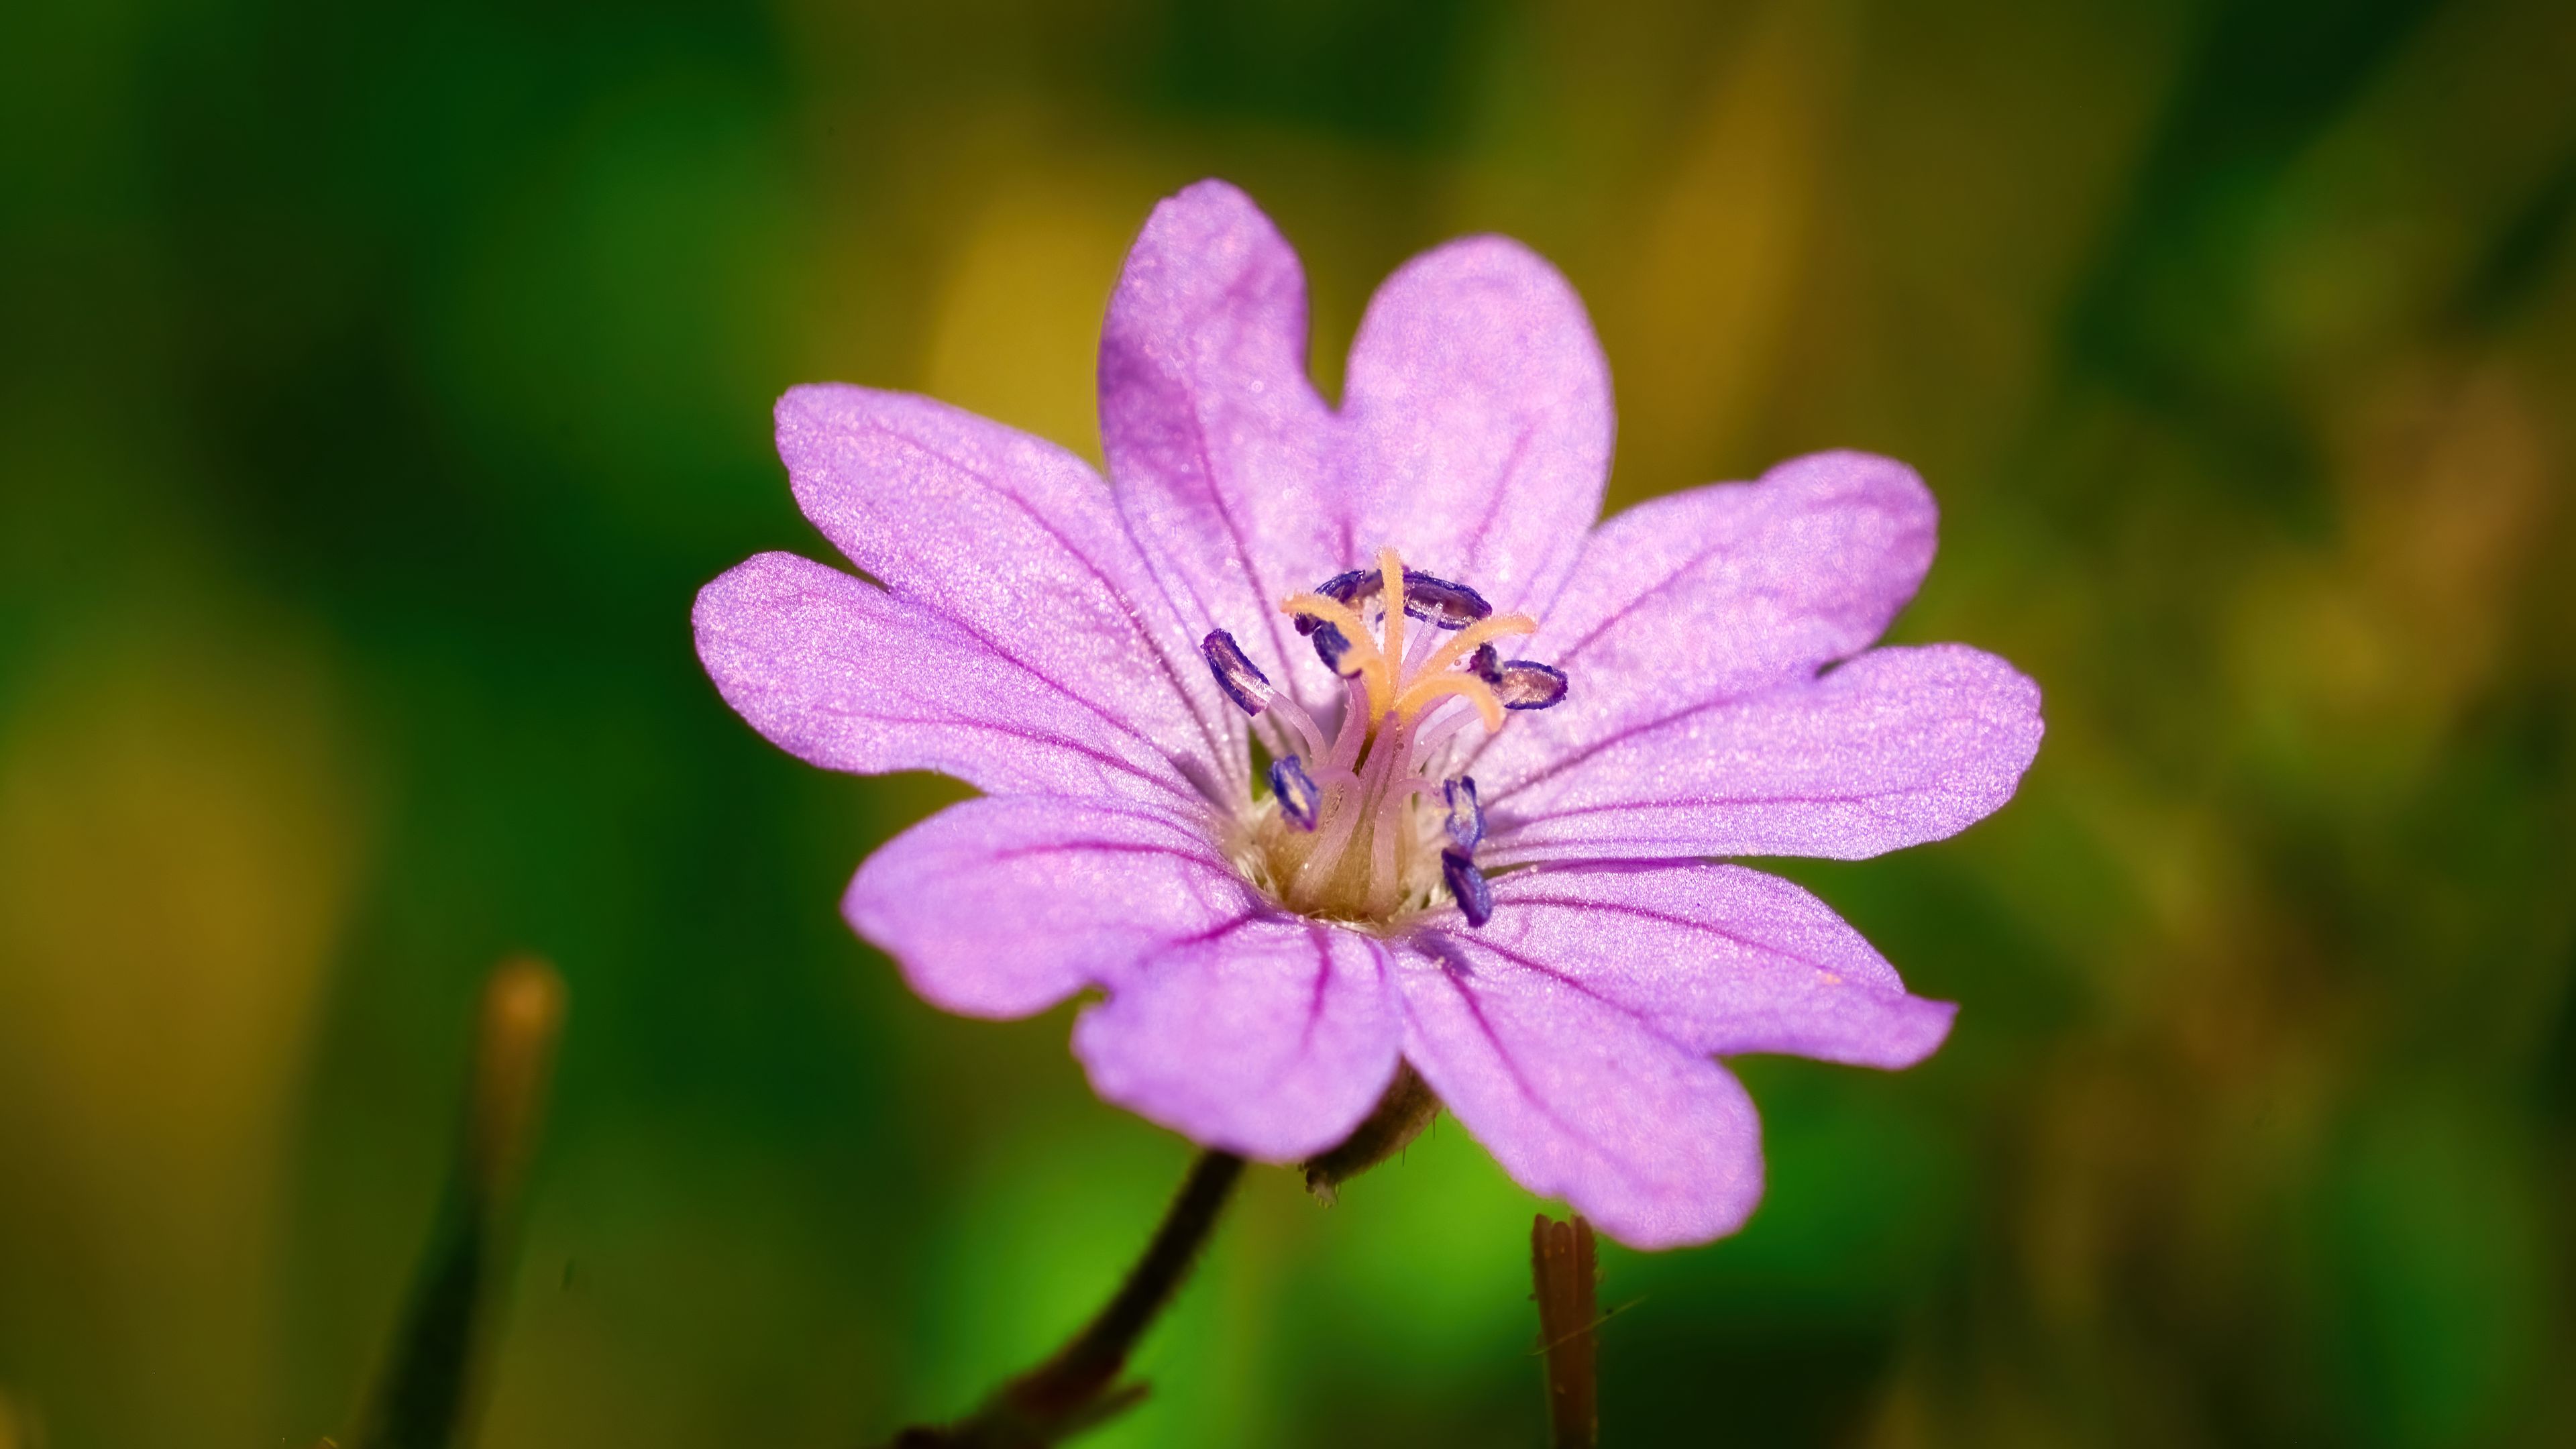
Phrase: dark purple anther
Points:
(1466, 816)
(1487, 665)
(1296, 792)
(1347, 590)
(1446, 605)
(1242, 682)
(1467, 884)
(1528, 684)
(1330, 646)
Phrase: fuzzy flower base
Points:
(1495, 869)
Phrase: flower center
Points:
(1372, 822)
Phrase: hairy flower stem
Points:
(1568, 1278)
(1406, 1108)
(1077, 1389)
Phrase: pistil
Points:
(1369, 828)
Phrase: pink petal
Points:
(1723, 591)
(1480, 407)
(1217, 440)
(842, 674)
(1580, 1099)
(1897, 747)
(1004, 907)
(1271, 1037)
(1715, 958)
(1018, 542)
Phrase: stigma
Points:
(1370, 818)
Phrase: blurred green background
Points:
(378, 383)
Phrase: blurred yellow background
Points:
(378, 384)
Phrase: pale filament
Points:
(1501, 626)
(1285, 705)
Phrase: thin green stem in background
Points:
(426, 1396)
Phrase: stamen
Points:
(1355, 725)
(1345, 589)
(1466, 814)
(1242, 681)
(1284, 706)
(1444, 604)
(1325, 860)
(1468, 886)
(1417, 649)
(1497, 627)
(1368, 663)
(1426, 745)
(1385, 872)
(1528, 684)
(1466, 686)
(1331, 644)
(1298, 798)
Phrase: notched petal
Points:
(1578, 1099)
(1001, 907)
(1897, 746)
(1273, 1039)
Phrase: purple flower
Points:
(1491, 867)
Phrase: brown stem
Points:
(1568, 1278)
(1076, 1389)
